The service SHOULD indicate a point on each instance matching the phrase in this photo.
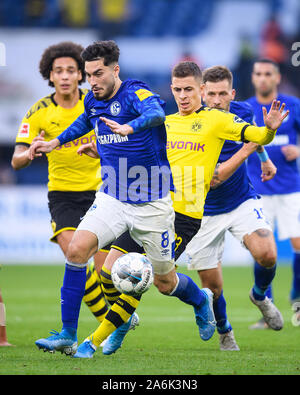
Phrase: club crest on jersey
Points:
(196, 126)
(115, 108)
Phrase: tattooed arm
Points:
(225, 169)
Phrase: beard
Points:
(265, 92)
(107, 93)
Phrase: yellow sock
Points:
(94, 296)
(119, 313)
(110, 292)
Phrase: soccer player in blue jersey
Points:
(246, 215)
(281, 196)
(128, 120)
(233, 205)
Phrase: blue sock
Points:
(262, 279)
(188, 291)
(72, 293)
(223, 325)
(295, 292)
(269, 292)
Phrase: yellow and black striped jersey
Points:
(194, 143)
(67, 170)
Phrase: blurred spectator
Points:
(113, 15)
(244, 68)
(43, 13)
(273, 42)
(75, 13)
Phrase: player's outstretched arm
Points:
(115, 127)
(226, 169)
(274, 118)
(39, 147)
(21, 158)
(89, 149)
(151, 115)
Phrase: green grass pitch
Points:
(166, 342)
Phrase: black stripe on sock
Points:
(114, 318)
(91, 288)
(100, 312)
(125, 306)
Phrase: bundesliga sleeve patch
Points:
(24, 130)
(238, 119)
(142, 94)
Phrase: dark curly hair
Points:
(61, 50)
(108, 50)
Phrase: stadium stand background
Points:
(153, 36)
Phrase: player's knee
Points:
(76, 253)
(267, 258)
(164, 287)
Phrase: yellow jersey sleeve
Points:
(67, 171)
(30, 126)
(231, 127)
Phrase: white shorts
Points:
(283, 213)
(150, 225)
(205, 250)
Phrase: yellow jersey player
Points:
(195, 137)
(73, 180)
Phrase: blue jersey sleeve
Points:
(149, 112)
(78, 128)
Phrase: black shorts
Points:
(67, 209)
(185, 229)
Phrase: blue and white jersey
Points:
(287, 178)
(134, 168)
(237, 188)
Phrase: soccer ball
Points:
(132, 274)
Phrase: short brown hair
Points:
(187, 69)
(217, 74)
(66, 49)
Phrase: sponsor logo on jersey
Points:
(24, 130)
(142, 94)
(185, 145)
(77, 142)
(109, 138)
(115, 108)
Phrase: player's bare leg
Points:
(261, 245)
(3, 335)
